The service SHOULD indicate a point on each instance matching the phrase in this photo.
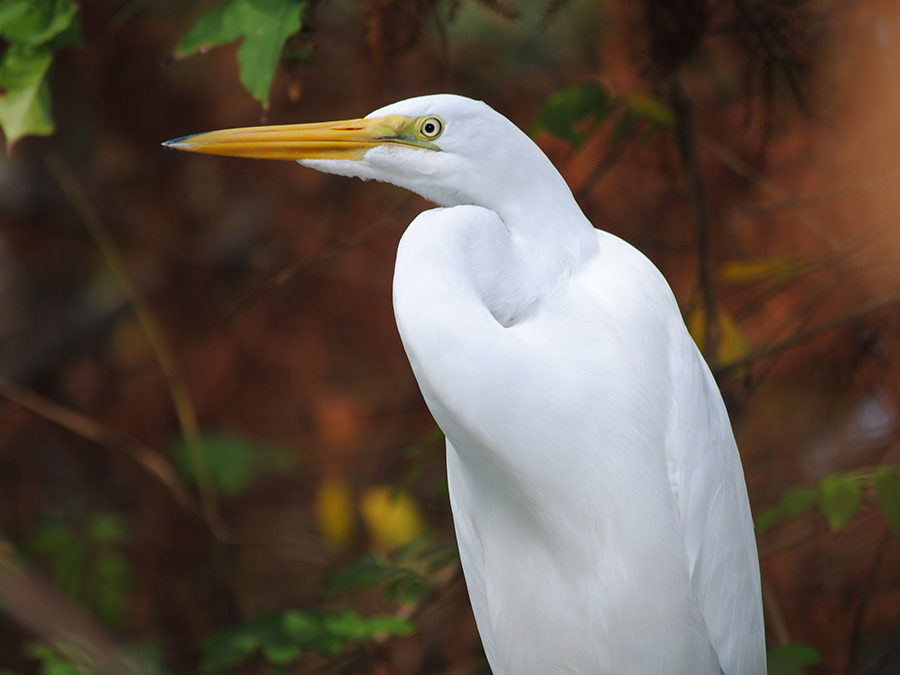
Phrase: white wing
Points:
(708, 483)
(591, 463)
(709, 490)
(471, 553)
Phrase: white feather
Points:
(597, 491)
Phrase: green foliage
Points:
(792, 504)
(281, 638)
(838, 497)
(71, 656)
(404, 578)
(262, 25)
(791, 659)
(575, 113)
(86, 562)
(52, 661)
(233, 462)
(887, 488)
(422, 454)
(33, 30)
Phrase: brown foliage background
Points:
(272, 284)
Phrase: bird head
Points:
(450, 149)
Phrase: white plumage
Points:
(597, 491)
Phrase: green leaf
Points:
(792, 504)
(52, 661)
(25, 97)
(367, 572)
(765, 520)
(280, 651)
(107, 528)
(839, 498)
(351, 626)
(378, 626)
(112, 579)
(283, 637)
(573, 112)
(264, 25)
(233, 462)
(406, 589)
(228, 647)
(84, 561)
(790, 659)
(426, 452)
(31, 23)
(796, 501)
(887, 487)
(11, 13)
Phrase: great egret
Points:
(596, 488)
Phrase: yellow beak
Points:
(348, 139)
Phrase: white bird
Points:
(596, 488)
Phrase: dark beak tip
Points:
(173, 143)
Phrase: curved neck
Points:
(543, 219)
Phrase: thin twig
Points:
(741, 168)
(853, 189)
(774, 614)
(686, 135)
(290, 271)
(887, 657)
(447, 578)
(865, 596)
(804, 335)
(613, 155)
(184, 408)
(148, 458)
(37, 606)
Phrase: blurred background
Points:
(213, 453)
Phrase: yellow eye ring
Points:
(431, 127)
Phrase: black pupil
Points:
(429, 127)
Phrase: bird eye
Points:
(431, 127)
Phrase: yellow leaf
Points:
(777, 269)
(651, 109)
(393, 521)
(334, 513)
(732, 344)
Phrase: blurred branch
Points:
(291, 271)
(450, 575)
(886, 658)
(184, 408)
(687, 137)
(741, 168)
(40, 608)
(865, 596)
(148, 458)
(803, 335)
(825, 263)
(613, 155)
(772, 610)
(853, 189)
